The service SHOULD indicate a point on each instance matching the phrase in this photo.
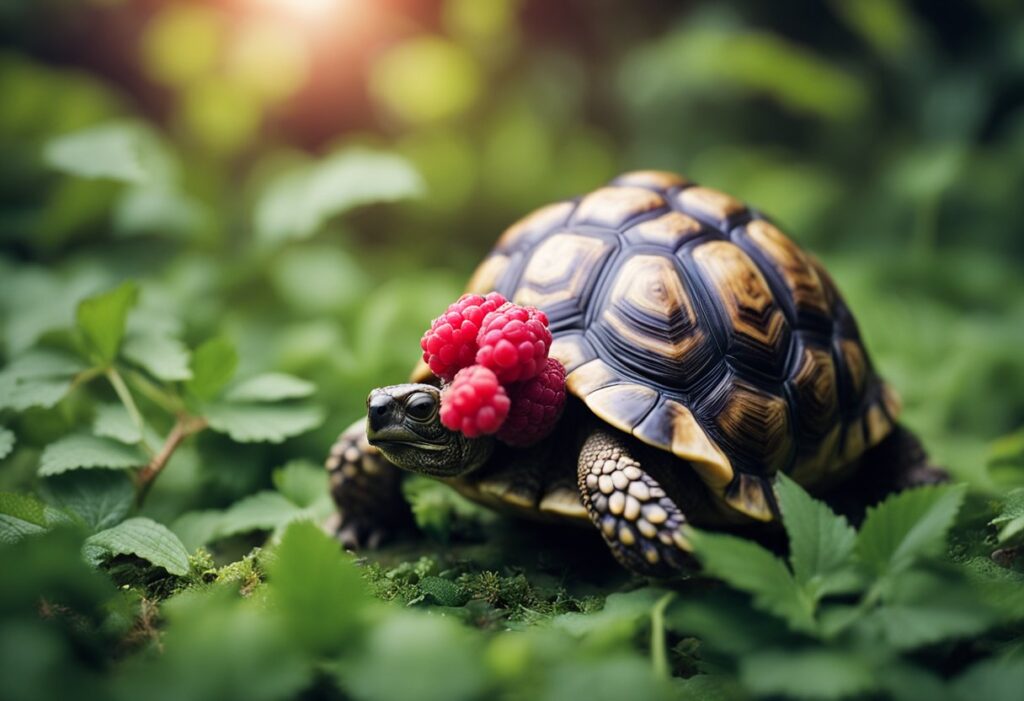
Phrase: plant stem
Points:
(167, 402)
(659, 658)
(184, 427)
(125, 395)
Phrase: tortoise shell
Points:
(690, 321)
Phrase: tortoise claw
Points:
(358, 535)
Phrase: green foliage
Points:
(213, 365)
(97, 500)
(85, 451)
(141, 537)
(101, 319)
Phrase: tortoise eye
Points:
(421, 407)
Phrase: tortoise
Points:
(706, 354)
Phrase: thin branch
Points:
(183, 428)
(125, 395)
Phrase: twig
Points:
(183, 428)
(125, 395)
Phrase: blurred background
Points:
(316, 178)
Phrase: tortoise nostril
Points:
(380, 409)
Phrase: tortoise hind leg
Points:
(638, 521)
(367, 490)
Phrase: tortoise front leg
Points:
(641, 524)
(367, 491)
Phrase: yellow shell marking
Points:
(710, 202)
(671, 230)
(744, 291)
(485, 277)
(651, 178)
(799, 276)
(690, 442)
(613, 206)
(753, 417)
(563, 262)
(543, 219)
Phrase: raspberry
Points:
(450, 343)
(514, 342)
(537, 405)
(475, 403)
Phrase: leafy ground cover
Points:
(208, 257)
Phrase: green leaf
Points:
(423, 647)
(120, 151)
(317, 588)
(302, 482)
(6, 442)
(298, 203)
(20, 516)
(98, 499)
(993, 679)
(161, 355)
(810, 674)
(141, 537)
(1006, 459)
(820, 543)
(213, 365)
(748, 567)
(39, 377)
(197, 528)
(82, 450)
(622, 616)
(114, 421)
(262, 511)
(443, 592)
(101, 319)
(256, 423)
(1010, 520)
(908, 526)
(271, 387)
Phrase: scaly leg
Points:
(640, 523)
(367, 490)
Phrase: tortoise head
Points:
(404, 423)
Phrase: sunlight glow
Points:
(303, 9)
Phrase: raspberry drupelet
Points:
(514, 342)
(450, 343)
(537, 405)
(475, 403)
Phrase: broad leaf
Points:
(213, 365)
(120, 151)
(20, 516)
(317, 588)
(298, 203)
(101, 319)
(1010, 520)
(197, 528)
(83, 450)
(271, 387)
(908, 526)
(302, 482)
(256, 423)
(811, 674)
(141, 537)
(820, 542)
(262, 511)
(163, 356)
(993, 679)
(40, 377)
(114, 421)
(6, 442)
(98, 499)
(748, 567)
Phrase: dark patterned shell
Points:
(688, 320)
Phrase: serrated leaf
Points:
(114, 421)
(298, 203)
(82, 450)
(1010, 520)
(39, 377)
(748, 567)
(98, 499)
(263, 511)
(101, 319)
(213, 365)
(301, 482)
(161, 355)
(623, 614)
(441, 591)
(20, 516)
(257, 423)
(820, 542)
(811, 674)
(141, 537)
(317, 588)
(120, 151)
(6, 442)
(271, 387)
(908, 526)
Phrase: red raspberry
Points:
(537, 405)
(514, 342)
(450, 343)
(475, 403)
